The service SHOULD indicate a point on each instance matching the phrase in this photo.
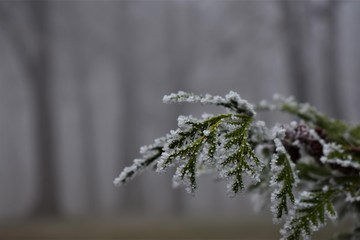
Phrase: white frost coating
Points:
(262, 152)
(139, 164)
(277, 103)
(328, 148)
(275, 171)
(232, 100)
(341, 162)
(182, 120)
(274, 168)
(294, 124)
(148, 150)
(144, 149)
(242, 103)
(182, 96)
(350, 198)
(331, 147)
(206, 115)
(206, 133)
(179, 180)
(278, 132)
(259, 132)
(305, 195)
(128, 173)
(266, 105)
(304, 108)
(286, 100)
(279, 147)
(160, 166)
(183, 123)
(325, 188)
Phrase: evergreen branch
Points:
(232, 101)
(341, 159)
(315, 154)
(189, 168)
(313, 172)
(182, 142)
(284, 179)
(350, 186)
(137, 167)
(310, 213)
(243, 159)
(335, 130)
(190, 144)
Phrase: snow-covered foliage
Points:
(307, 168)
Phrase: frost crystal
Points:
(278, 132)
(333, 151)
(350, 198)
(232, 101)
(206, 133)
(127, 173)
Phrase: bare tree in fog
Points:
(36, 65)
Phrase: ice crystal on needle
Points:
(303, 167)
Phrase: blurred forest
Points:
(81, 84)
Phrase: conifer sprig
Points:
(305, 168)
(232, 101)
(150, 155)
(310, 213)
(203, 139)
(284, 180)
(243, 159)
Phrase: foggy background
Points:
(81, 87)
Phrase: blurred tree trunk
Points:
(133, 198)
(313, 52)
(81, 54)
(89, 153)
(294, 24)
(36, 65)
(327, 14)
(40, 73)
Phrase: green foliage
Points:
(243, 159)
(313, 172)
(335, 129)
(189, 144)
(285, 179)
(310, 213)
(310, 169)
